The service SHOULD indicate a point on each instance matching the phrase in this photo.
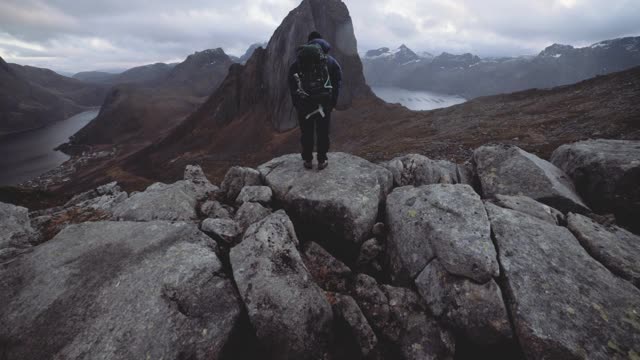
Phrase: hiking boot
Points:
(308, 165)
(322, 165)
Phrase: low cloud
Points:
(74, 35)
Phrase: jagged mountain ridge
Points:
(471, 76)
(32, 97)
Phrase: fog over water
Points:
(30, 154)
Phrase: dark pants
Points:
(320, 126)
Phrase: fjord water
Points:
(27, 155)
(416, 100)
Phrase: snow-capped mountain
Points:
(471, 76)
(384, 64)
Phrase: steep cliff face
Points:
(251, 109)
(260, 87)
(332, 20)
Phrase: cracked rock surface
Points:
(118, 290)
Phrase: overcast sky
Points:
(77, 35)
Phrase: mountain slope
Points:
(32, 97)
(139, 113)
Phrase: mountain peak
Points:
(556, 50)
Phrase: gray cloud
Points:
(74, 35)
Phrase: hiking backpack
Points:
(313, 72)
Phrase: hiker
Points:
(314, 81)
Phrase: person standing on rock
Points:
(314, 81)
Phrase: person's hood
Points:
(326, 47)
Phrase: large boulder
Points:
(339, 203)
(417, 170)
(400, 318)
(509, 170)
(475, 310)
(118, 290)
(606, 174)
(444, 221)
(93, 205)
(289, 312)
(250, 213)
(236, 178)
(16, 233)
(564, 304)
(174, 202)
(614, 247)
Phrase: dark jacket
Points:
(335, 73)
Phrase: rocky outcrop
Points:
(509, 170)
(250, 213)
(606, 174)
(289, 312)
(16, 235)
(564, 304)
(175, 202)
(236, 179)
(398, 315)
(339, 204)
(444, 221)
(614, 247)
(530, 207)
(225, 230)
(439, 235)
(476, 310)
(417, 170)
(259, 194)
(214, 210)
(118, 290)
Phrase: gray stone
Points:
(417, 170)
(444, 221)
(16, 233)
(370, 251)
(564, 304)
(476, 310)
(399, 317)
(106, 192)
(509, 170)
(250, 213)
(614, 247)
(118, 290)
(328, 272)
(531, 207)
(236, 178)
(289, 312)
(259, 194)
(203, 188)
(214, 210)
(340, 203)
(379, 230)
(174, 202)
(348, 315)
(225, 230)
(606, 174)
